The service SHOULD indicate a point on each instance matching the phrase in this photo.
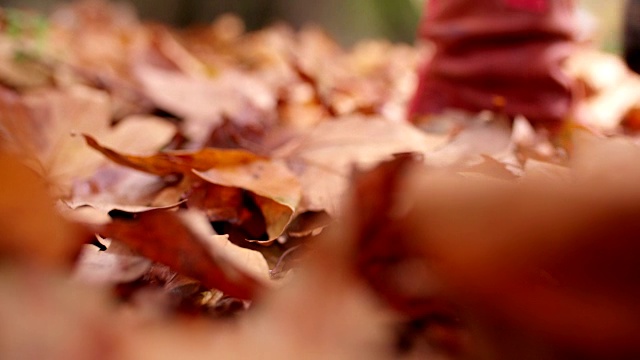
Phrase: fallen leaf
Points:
(536, 255)
(176, 162)
(115, 265)
(249, 261)
(599, 159)
(163, 236)
(324, 158)
(309, 224)
(469, 238)
(479, 137)
(276, 191)
(114, 187)
(53, 150)
(204, 102)
(24, 201)
(47, 316)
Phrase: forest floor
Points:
(210, 192)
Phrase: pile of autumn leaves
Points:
(157, 183)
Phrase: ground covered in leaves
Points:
(208, 192)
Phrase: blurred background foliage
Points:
(609, 15)
(346, 20)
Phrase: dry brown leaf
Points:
(318, 317)
(539, 170)
(325, 157)
(95, 39)
(277, 192)
(323, 313)
(46, 316)
(166, 47)
(479, 137)
(31, 230)
(116, 265)
(164, 237)
(610, 161)
(177, 162)
(249, 261)
(385, 255)
(538, 255)
(537, 263)
(114, 187)
(220, 203)
(204, 102)
(53, 150)
(522, 259)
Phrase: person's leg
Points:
(497, 53)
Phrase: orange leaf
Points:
(162, 236)
(176, 162)
(30, 229)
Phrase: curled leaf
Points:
(175, 162)
(276, 191)
(162, 236)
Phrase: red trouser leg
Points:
(497, 49)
